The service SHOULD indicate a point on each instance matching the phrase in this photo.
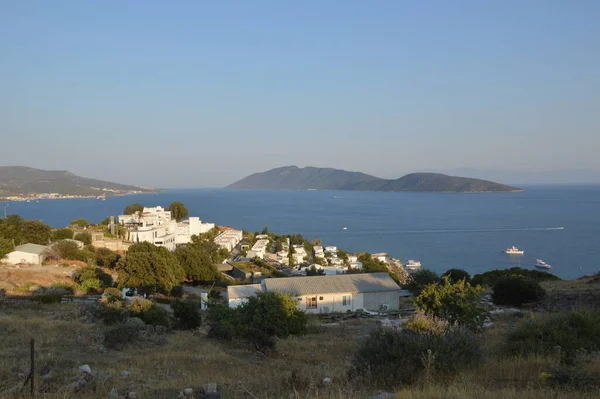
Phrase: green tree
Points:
(265, 230)
(67, 250)
(92, 273)
(106, 258)
(11, 228)
(133, 209)
(149, 269)
(81, 222)
(85, 238)
(456, 302)
(62, 234)
(36, 232)
(6, 246)
(196, 263)
(457, 275)
(178, 211)
(313, 271)
(420, 279)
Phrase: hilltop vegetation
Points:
(295, 178)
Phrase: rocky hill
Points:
(295, 178)
(22, 180)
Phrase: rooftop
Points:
(243, 291)
(368, 282)
(31, 248)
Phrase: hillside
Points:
(24, 181)
(295, 178)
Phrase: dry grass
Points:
(295, 370)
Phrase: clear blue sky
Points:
(193, 94)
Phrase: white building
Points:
(327, 294)
(259, 249)
(229, 239)
(331, 249)
(382, 257)
(352, 258)
(239, 294)
(28, 253)
(156, 226)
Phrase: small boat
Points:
(345, 228)
(514, 251)
(542, 265)
(412, 264)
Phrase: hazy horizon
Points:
(201, 95)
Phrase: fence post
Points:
(32, 371)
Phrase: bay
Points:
(442, 230)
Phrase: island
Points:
(22, 183)
(313, 178)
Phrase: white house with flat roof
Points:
(327, 294)
(32, 254)
(259, 249)
(229, 239)
(190, 227)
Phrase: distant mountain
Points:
(22, 180)
(565, 176)
(295, 178)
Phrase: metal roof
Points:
(243, 291)
(364, 282)
(31, 248)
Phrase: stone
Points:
(210, 391)
(383, 395)
(47, 376)
(326, 380)
(85, 369)
(132, 395)
(187, 392)
(125, 373)
(11, 391)
(113, 393)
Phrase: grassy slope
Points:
(296, 370)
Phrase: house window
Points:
(346, 300)
(311, 302)
(320, 298)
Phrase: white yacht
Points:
(514, 251)
(542, 265)
(412, 264)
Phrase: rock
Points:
(383, 395)
(113, 393)
(76, 386)
(11, 391)
(326, 380)
(210, 391)
(47, 376)
(188, 392)
(85, 369)
(125, 373)
(132, 395)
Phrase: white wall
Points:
(331, 302)
(17, 257)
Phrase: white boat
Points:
(514, 251)
(345, 228)
(542, 265)
(412, 264)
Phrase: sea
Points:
(559, 224)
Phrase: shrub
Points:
(91, 286)
(420, 279)
(139, 305)
(422, 323)
(391, 357)
(113, 294)
(108, 312)
(457, 275)
(92, 272)
(67, 250)
(558, 334)
(49, 295)
(177, 291)
(68, 289)
(122, 334)
(156, 316)
(516, 290)
(456, 302)
(49, 298)
(490, 278)
(85, 255)
(106, 258)
(187, 314)
(85, 238)
(62, 234)
(223, 321)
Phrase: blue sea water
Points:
(467, 231)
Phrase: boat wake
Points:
(450, 231)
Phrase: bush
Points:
(91, 286)
(156, 316)
(177, 291)
(48, 298)
(85, 255)
(49, 295)
(139, 305)
(457, 275)
(108, 312)
(106, 258)
(223, 322)
(85, 238)
(490, 278)
(558, 334)
(422, 323)
(187, 314)
(113, 294)
(91, 273)
(62, 234)
(516, 290)
(391, 357)
(420, 279)
(67, 288)
(122, 334)
(67, 250)
(456, 302)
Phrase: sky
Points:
(200, 94)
